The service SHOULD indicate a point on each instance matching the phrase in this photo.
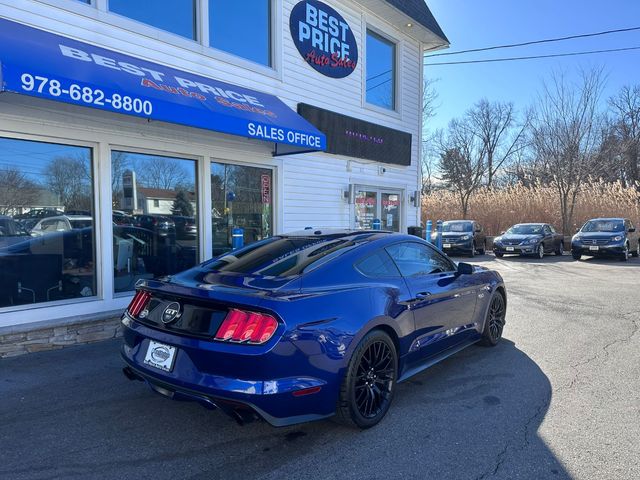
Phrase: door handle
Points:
(422, 295)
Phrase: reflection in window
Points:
(175, 16)
(155, 230)
(241, 197)
(234, 30)
(381, 71)
(46, 222)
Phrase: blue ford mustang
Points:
(309, 325)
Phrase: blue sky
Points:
(474, 24)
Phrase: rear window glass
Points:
(378, 265)
(285, 256)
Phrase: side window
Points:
(378, 264)
(417, 259)
(553, 230)
(478, 228)
(547, 230)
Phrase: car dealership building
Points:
(168, 125)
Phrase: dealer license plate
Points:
(594, 248)
(510, 249)
(446, 245)
(160, 356)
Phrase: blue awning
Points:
(41, 64)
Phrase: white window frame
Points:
(380, 190)
(99, 11)
(276, 214)
(97, 221)
(370, 24)
(200, 207)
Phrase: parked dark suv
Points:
(533, 239)
(464, 237)
(615, 237)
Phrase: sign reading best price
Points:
(323, 38)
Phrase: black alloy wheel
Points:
(541, 251)
(625, 253)
(369, 383)
(560, 249)
(495, 320)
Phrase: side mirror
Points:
(577, 229)
(631, 230)
(478, 230)
(502, 233)
(464, 269)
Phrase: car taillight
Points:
(140, 300)
(248, 327)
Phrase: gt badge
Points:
(171, 313)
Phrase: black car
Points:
(186, 228)
(615, 237)
(161, 225)
(464, 237)
(534, 239)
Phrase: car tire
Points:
(484, 248)
(560, 249)
(498, 254)
(637, 252)
(540, 253)
(494, 321)
(576, 255)
(625, 255)
(369, 383)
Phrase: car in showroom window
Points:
(308, 325)
(45, 255)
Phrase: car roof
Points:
(607, 219)
(333, 232)
(532, 223)
(458, 221)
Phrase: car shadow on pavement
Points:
(71, 413)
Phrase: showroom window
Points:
(241, 197)
(381, 71)
(155, 231)
(175, 16)
(234, 30)
(373, 203)
(47, 249)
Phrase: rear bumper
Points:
(245, 393)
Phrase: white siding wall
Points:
(308, 188)
(312, 182)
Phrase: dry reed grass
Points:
(498, 209)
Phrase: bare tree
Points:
(16, 191)
(161, 172)
(497, 127)
(625, 106)
(462, 161)
(429, 107)
(69, 178)
(566, 134)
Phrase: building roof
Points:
(419, 11)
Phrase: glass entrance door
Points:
(371, 203)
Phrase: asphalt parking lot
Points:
(558, 398)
